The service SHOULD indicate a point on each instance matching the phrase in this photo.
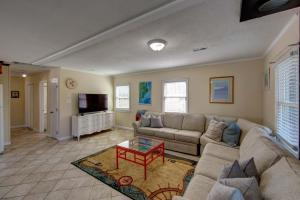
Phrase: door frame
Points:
(41, 106)
(29, 98)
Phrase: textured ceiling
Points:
(55, 26)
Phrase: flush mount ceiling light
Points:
(269, 5)
(157, 44)
(24, 75)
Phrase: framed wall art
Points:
(221, 90)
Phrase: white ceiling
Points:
(113, 33)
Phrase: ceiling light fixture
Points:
(157, 44)
(24, 75)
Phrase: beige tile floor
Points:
(35, 167)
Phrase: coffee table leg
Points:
(163, 152)
(117, 157)
(145, 168)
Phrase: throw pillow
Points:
(223, 192)
(249, 168)
(248, 187)
(156, 122)
(215, 130)
(145, 121)
(231, 134)
(232, 171)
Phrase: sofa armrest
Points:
(179, 198)
(136, 125)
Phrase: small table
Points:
(141, 151)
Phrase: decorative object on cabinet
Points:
(91, 123)
(15, 94)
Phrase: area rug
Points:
(164, 180)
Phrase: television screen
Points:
(92, 102)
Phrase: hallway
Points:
(35, 166)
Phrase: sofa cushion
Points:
(204, 140)
(281, 181)
(199, 187)
(215, 130)
(210, 166)
(166, 133)
(246, 126)
(248, 187)
(147, 131)
(188, 136)
(264, 152)
(173, 120)
(219, 118)
(145, 121)
(231, 134)
(221, 151)
(193, 122)
(232, 171)
(222, 192)
(156, 122)
(250, 139)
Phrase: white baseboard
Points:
(19, 126)
(64, 138)
(125, 128)
(7, 143)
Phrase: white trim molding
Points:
(19, 126)
(124, 128)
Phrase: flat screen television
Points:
(92, 103)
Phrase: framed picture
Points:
(145, 92)
(221, 90)
(15, 94)
(267, 78)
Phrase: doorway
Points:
(53, 109)
(43, 90)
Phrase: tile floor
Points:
(35, 167)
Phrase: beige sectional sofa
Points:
(184, 132)
(280, 175)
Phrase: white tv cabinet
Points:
(92, 123)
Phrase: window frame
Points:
(129, 98)
(281, 139)
(173, 81)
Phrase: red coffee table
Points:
(141, 151)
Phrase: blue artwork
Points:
(145, 89)
(221, 89)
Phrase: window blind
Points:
(122, 97)
(287, 100)
(175, 96)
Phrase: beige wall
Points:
(289, 36)
(5, 80)
(35, 80)
(248, 90)
(87, 83)
(17, 105)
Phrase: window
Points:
(287, 100)
(122, 97)
(175, 98)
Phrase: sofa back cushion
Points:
(173, 120)
(193, 122)
(282, 180)
(262, 149)
(246, 125)
(219, 118)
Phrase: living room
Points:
(108, 100)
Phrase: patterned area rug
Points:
(164, 180)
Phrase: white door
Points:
(29, 106)
(1, 120)
(43, 106)
(53, 110)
